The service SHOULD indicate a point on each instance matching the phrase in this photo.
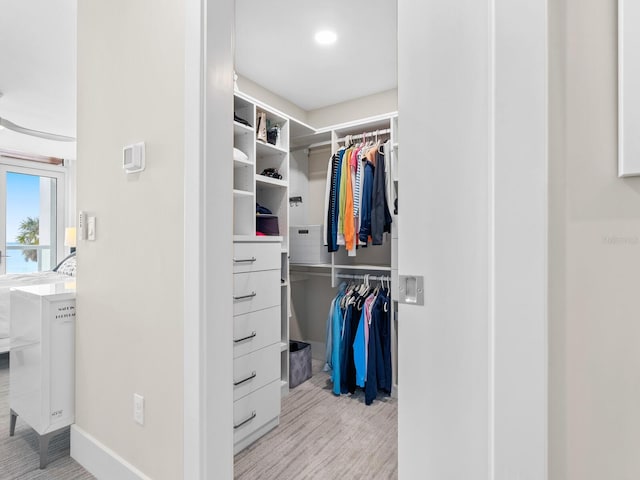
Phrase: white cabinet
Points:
(250, 186)
(42, 376)
(262, 176)
(256, 338)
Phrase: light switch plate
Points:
(91, 228)
(138, 408)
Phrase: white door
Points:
(472, 153)
(31, 219)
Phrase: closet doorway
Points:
(314, 97)
(472, 92)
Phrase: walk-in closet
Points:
(316, 157)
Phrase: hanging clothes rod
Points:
(327, 143)
(373, 278)
(366, 134)
(344, 276)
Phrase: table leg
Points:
(12, 423)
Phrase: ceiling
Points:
(275, 48)
(37, 78)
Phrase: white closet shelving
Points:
(373, 260)
(250, 188)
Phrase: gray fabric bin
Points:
(299, 363)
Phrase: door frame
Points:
(208, 240)
(208, 399)
(42, 170)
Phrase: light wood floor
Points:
(320, 437)
(324, 437)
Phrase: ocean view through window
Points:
(30, 223)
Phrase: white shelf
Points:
(263, 148)
(311, 265)
(239, 128)
(242, 163)
(270, 182)
(256, 238)
(269, 192)
(373, 268)
(242, 193)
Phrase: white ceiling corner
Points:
(275, 48)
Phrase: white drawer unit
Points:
(255, 330)
(42, 374)
(254, 257)
(255, 370)
(256, 339)
(255, 291)
(255, 414)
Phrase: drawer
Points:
(255, 330)
(256, 291)
(255, 370)
(255, 410)
(255, 257)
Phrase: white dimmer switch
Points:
(138, 408)
(91, 228)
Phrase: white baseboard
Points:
(100, 461)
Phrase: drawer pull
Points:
(251, 417)
(244, 260)
(250, 377)
(253, 334)
(240, 297)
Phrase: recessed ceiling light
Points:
(326, 37)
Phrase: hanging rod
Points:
(373, 278)
(329, 142)
(366, 134)
(345, 276)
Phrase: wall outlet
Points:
(138, 408)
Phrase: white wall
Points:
(595, 262)
(363, 107)
(130, 280)
(274, 100)
(299, 186)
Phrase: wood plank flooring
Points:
(324, 437)
(320, 437)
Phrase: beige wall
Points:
(274, 100)
(363, 107)
(356, 109)
(130, 280)
(594, 256)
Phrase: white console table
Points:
(41, 372)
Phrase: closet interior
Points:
(315, 213)
(285, 276)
